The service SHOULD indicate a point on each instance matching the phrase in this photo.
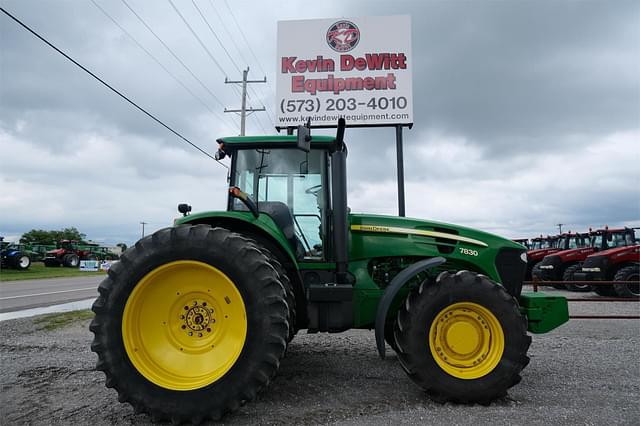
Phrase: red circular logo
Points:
(343, 36)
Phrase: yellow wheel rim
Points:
(466, 340)
(184, 325)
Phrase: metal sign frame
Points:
(399, 153)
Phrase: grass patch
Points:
(37, 270)
(56, 321)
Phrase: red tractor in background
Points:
(539, 248)
(620, 262)
(67, 254)
(523, 241)
(561, 265)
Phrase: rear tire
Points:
(288, 288)
(628, 273)
(568, 276)
(71, 260)
(462, 338)
(190, 390)
(21, 261)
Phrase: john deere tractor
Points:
(194, 320)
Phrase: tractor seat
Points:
(281, 215)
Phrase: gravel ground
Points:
(586, 372)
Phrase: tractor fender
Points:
(390, 293)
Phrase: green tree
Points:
(40, 236)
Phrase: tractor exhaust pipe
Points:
(339, 202)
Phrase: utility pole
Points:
(559, 225)
(244, 111)
(143, 224)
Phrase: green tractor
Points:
(194, 320)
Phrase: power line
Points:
(239, 50)
(233, 40)
(244, 37)
(199, 99)
(250, 49)
(153, 117)
(216, 36)
(198, 38)
(174, 55)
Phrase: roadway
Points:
(19, 295)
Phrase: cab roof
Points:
(274, 141)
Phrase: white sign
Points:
(356, 68)
(89, 265)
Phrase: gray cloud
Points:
(526, 114)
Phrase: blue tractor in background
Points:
(14, 256)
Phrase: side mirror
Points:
(220, 154)
(184, 209)
(304, 138)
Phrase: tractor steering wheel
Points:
(313, 190)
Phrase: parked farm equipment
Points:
(14, 255)
(540, 247)
(194, 319)
(564, 264)
(620, 264)
(69, 254)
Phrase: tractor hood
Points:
(375, 236)
(575, 254)
(438, 230)
(618, 251)
(540, 253)
(55, 252)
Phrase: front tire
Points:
(462, 338)
(568, 276)
(628, 273)
(190, 324)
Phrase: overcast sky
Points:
(527, 114)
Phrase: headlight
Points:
(596, 269)
(523, 256)
(546, 266)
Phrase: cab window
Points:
(294, 178)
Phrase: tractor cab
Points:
(288, 184)
(68, 245)
(572, 240)
(607, 238)
(300, 183)
(541, 242)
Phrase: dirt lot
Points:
(586, 372)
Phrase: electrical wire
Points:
(216, 36)
(244, 37)
(233, 40)
(175, 56)
(145, 50)
(215, 61)
(116, 91)
(252, 53)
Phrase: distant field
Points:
(37, 270)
